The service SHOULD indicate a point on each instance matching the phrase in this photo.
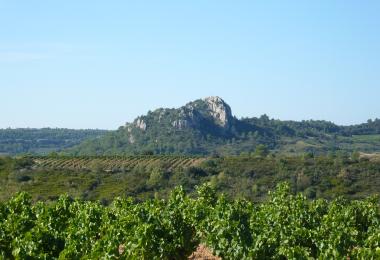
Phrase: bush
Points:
(23, 178)
(286, 227)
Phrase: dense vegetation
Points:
(115, 163)
(284, 227)
(42, 141)
(125, 190)
(202, 127)
(248, 176)
(197, 129)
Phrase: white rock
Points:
(219, 110)
(131, 139)
(141, 124)
(180, 123)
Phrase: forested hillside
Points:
(42, 141)
(208, 127)
(202, 127)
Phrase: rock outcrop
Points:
(180, 124)
(140, 123)
(211, 109)
(208, 116)
(219, 110)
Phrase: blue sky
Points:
(98, 64)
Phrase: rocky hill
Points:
(207, 126)
(209, 115)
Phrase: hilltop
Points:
(208, 127)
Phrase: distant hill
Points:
(42, 141)
(208, 127)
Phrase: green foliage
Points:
(143, 177)
(73, 229)
(261, 151)
(22, 163)
(42, 141)
(192, 129)
(156, 178)
(286, 227)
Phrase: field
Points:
(91, 178)
(115, 163)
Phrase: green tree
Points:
(261, 150)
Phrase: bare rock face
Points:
(131, 139)
(180, 124)
(219, 110)
(185, 119)
(140, 123)
(195, 112)
(199, 114)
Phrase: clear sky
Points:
(99, 64)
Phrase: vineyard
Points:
(115, 163)
(285, 227)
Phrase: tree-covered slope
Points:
(207, 126)
(142, 177)
(202, 127)
(42, 141)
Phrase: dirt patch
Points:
(203, 253)
(373, 157)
